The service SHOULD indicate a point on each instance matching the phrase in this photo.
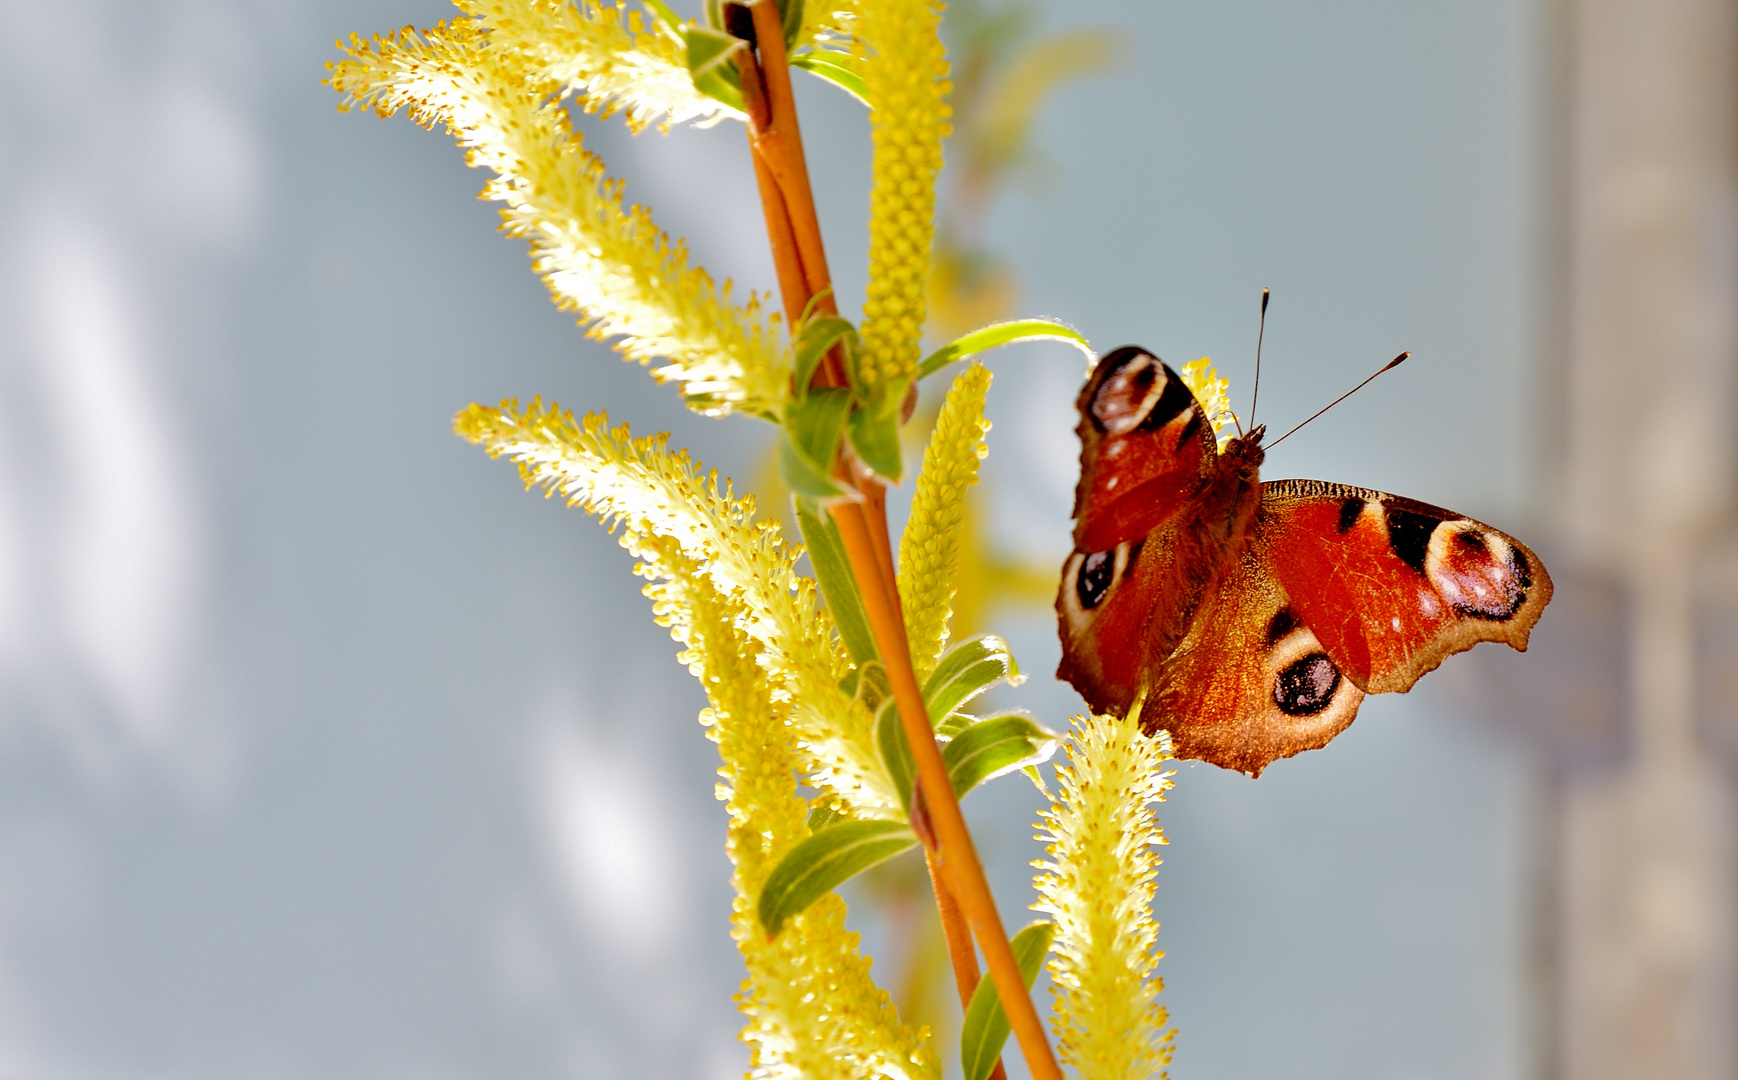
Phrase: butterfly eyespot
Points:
(1481, 576)
(1306, 686)
(1135, 390)
(1097, 574)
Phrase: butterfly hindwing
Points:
(1144, 441)
(1392, 586)
(1250, 683)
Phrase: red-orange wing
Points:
(1250, 683)
(1144, 442)
(1391, 587)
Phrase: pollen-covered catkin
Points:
(905, 76)
(603, 259)
(1097, 884)
(929, 550)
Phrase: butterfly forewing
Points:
(1144, 441)
(1393, 586)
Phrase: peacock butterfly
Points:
(1256, 616)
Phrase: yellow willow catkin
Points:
(607, 56)
(606, 261)
(1097, 885)
(813, 1011)
(905, 78)
(1212, 392)
(639, 483)
(929, 550)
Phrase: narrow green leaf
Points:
(836, 68)
(825, 861)
(896, 752)
(993, 746)
(874, 431)
(712, 63)
(1002, 334)
(805, 476)
(955, 723)
(833, 575)
(966, 670)
(813, 426)
(816, 421)
(985, 1029)
(813, 340)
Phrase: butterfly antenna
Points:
(1260, 333)
(1390, 365)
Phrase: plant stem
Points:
(794, 228)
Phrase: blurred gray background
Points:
(326, 751)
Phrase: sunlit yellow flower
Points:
(905, 76)
(1210, 390)
(813, 1010)
(641, 485)
(929, 551)
(611, 264)
(1097, 885)
(607, 56)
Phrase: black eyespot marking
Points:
(1505, 596)
(1306, 686)
(1282, 626)
(1523, 572)
(1174, 400)
(1409, 535)
(1349, 511)
(1193, 430)
(1097, 573)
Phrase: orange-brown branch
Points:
(793, 227)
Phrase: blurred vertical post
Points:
(1647, 908)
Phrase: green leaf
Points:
(874, 431)
(836, 68)
(955, 723)
(825, 861)
(833, 575)
(1002, 334)
(816, 421)
(813, 340)
(985, 1029)
(896, 752)
(804, 475)
(813, 425)
(993, 746)
(966, 670)
(712, 63)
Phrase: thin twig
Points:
(788, 203)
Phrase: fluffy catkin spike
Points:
(1097, 884)
(929, 550)
(1212, 391)
(610, 263)
(813, 1011)
(905, 75)
(640, 484)
(608, 57)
